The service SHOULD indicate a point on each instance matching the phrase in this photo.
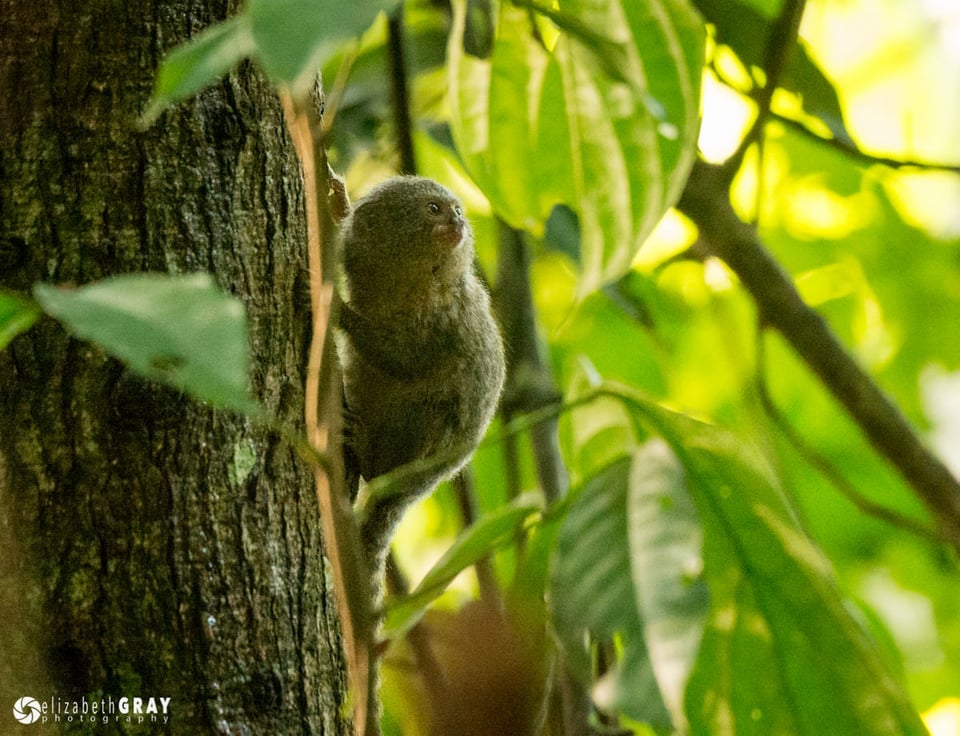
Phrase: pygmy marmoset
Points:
(421, 354)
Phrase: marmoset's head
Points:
(407, 230)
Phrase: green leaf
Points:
(198, 63)
(627, 566)
(600, 430)
(478, 541)
(17, 314)
(180, 330)
(293, 37)
(665, 541)
(591, 588)
(781, 652)
(508, 120)
(605, 121)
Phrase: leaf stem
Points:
(322, 414)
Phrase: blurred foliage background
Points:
(873, 245)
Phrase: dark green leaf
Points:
(627, 565)
(782, 652)
(666, 543)
(181, 330)
(17, 314)
(198, 63)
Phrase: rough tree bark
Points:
(151, 546)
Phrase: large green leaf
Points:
(181, 330)
(782, 652)
(603, 120)
(198, 63)
(16, 315)
(665, 541)
(293, 37)
(290, 38)
(508, 120)
(627, 566)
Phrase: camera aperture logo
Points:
(27, 710)
(131, 710)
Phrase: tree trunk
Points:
(150, 546)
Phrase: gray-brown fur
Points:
(421, 353)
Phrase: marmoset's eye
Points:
(434, 208)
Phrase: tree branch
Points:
(854, 151)
(399, 92)
(706, 203)
(780, 45)
(530, 384)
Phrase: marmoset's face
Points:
(445, 219)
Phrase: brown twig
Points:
(842, 145)
(323, 417)
(853, 151)
(530, 384)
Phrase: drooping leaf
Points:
(180, 330)
(290, 39)
(782, 652)
(198, 63)
(627, 565)
(603, 120)
(17, 315)
(293, 37)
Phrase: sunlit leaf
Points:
(745, 29)
(600, 431)
(604, 120)
(180, 330)
(508, 121)
(198, 63)
(17, 315)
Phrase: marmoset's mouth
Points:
(449, 234)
